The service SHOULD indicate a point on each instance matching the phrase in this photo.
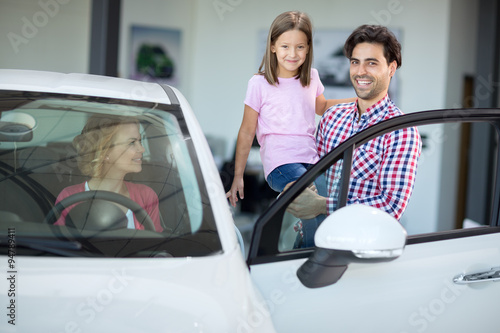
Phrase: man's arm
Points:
(322, 104)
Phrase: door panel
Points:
(414, 293)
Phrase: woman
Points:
(109, 148)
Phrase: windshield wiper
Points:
(59, 247)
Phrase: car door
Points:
(443, 280)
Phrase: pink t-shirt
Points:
(286, 122)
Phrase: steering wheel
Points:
(141, 215)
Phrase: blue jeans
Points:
(284, 174)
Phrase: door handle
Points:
(491, 275)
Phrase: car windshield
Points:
(53, 198)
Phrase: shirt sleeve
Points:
(152, 207)
(62, 219)
(320, 135)
(253, 96)
(148, 200)
(397, 173)
(320, 89)
(65, 193)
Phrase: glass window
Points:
(455, 182)
(299, 232)
(48, 153)
(454, 186)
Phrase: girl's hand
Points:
(236, 189)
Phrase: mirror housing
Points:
(354, 233)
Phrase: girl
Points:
(280, 104)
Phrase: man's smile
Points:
(363, 82)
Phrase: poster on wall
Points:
(155, 55)
(332, 65)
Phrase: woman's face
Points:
(125, 154)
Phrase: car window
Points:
(292, 226)
(444, 187)
(455, 183)
(39, 162)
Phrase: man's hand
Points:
(308, 204)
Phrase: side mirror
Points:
(355, 233)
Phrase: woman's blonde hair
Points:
(93, 144)
(284, 22)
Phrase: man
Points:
(384, 169)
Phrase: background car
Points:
(334, 69)
(367, 273)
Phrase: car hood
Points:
(209, 294)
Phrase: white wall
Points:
(169, 14)
(437, 178)
(45, 35)
(461, 55)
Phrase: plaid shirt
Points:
(384, 169)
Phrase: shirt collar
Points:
(380, 105)
(375, 109)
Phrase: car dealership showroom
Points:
(124, 150)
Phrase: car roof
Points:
(82, 84)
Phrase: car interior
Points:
(38, 160)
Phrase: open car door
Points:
(367, 273)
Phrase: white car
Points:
(366, 274)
